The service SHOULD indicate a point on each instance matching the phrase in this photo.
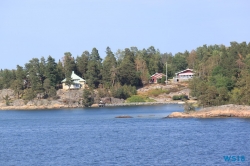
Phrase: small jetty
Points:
(101, 104)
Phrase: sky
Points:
(35, 28)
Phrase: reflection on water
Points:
(94, 137)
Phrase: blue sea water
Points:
(93, 136)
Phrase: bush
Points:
(123, 92)
(180, 97)
(7, 100)
(29, 94)
(163, 80)
(88, 97)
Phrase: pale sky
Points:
(35, 28)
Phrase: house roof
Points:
(158, 75)
(75, 78)
(185, 71)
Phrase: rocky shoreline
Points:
(143, 103)
(239, 111)
(59, 106)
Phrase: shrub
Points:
(7, 100)
(163, 80)
(180, 97)
(123, 92)
(29, 94)
(88, 98)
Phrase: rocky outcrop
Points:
(112, 100)
(5, 92)
(73, 95)
(18, 102)
(64, 99)
(215, 112)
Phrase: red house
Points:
(155, 77)
(184, 75)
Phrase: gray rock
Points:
(106, 100)
(18, 102)
(124, 116)
(116, 100)
(5, 92)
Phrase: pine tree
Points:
(69, 67)
(82, 64)
(18, 84)
(108, 69)
(127, 72)
(60, 73)
(94, 69)
(141, 68)
(50, 71)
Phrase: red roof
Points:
(158, 75)
(189, 71)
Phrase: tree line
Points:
(221, 72)
(119, 72)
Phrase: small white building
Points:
(184, 75)
(78, 82)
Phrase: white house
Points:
(184, 75)
(78, 82)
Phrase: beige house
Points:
(78, 82)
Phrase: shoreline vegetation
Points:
(221, 77)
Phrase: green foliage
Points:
(180, 97)
(29, 94)
(60, 73)
(135, 98)
(123, 91)
(17, 86)
(180, 62)
(82, 64)
(69, 81)
(94, 69)
(50, 91)
(8, 76)
(7, 100)
(222, 73)
(51, 71)
(163, 80)
(109, 64)
(141, 68)
(127, 72)
(88, 97)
